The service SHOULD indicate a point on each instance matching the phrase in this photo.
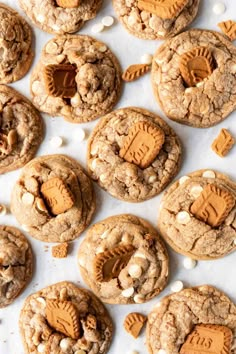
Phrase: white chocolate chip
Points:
(94, 150)
(100, 249)
(199, 84)
(80, 352)
(146, 59)
(177, 286)
(103, 177)
(51, 48)
(55, 27)
(64, 344)
(140, 255)
(108, 21)
(219, 8)
(127, 292)
(196, 191)
(60, 58)
(135, 271)
(161, 33)
(102, 48)
(27, 198)
(152, 179)
(41, 348)
(235, 241)
(157, 305)
(189, 263)
(209, 174)
(3, 210)
(82, 262)
(189, 90)
(233, 68)
(41, 205)
(94, 164)
(97, 28)
(139, 299)
(40, 18)
(183, 217)
(161, 351)
(75, 100)
(25, 227)
(42, 301)
(56, 142)
(80, 134)
(105, 234)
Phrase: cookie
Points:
(77, 77)
(60, 16)
(53, 199)
(21, 130)
(148, 20)
(198, 215)
(133, 154)
(123, 260)
(16, 264)
(64, 318)
(16, 45)
(193, 77)
(197, 320)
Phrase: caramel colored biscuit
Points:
(60, 251)
(223, 143)
(166, 9)
(228, 28)
(134, 72)
(134, 323)
(68, 4)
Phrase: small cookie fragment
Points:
(228, 28)
(134, 72)
(60, 80)
(60, 251)
(68, 4)
(166, 9)
(134, 323)
(207, 338)
(223, 143)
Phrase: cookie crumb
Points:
(177, 286)
(134, 323)
(223, 143)
(108, 21)
(219, 8)
(189, 263)
(60, 251)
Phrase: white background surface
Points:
(197, 155)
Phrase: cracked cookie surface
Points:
(16, 264)
(52, 18)
(146, 25)
(130, 257)
(38, 336)
(96, 84)
(211, 100)
(16, 45)
(184, 231)
(21, 130)
(126, 180)
(174, 319)
(33, 208)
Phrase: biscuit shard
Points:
(58, 197)
(60, 80)
(134, 323)
(213, 205)
(63, 317)
(68, 4)
(228, 28)
(208, 339)
(109, 264)
(143, 144)
(60, 251)
(196, 65)
(166, 9)
(133, 72)
(223, 143)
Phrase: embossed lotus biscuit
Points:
(145, 154)
(53, 198)
(60, 16)
(123, 260)
(197, 215)
(65, 316)
(134, 323)
(228, 28)
(16, 264)
(156, 19)
(77, 77)
(21, 130)
(205, 103)
(133, 72)
(203, 317)
(223, 143)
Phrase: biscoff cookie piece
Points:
(133, 154)
(60, 16)
(77, 77)
(16, 45)
(21, 130)
(196, 320)
(64, 318)
(155, 19)
(16, 264)
(193, 78)
(198, 215)
(123, 260)
(53, 199)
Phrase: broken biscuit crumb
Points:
(60, 251)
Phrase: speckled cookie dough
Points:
(184, 231)
(16, 45)
(147, 25)
(16, 264)
(21, 130)
(62, 215)
(92, 319)
(97, 81)
(211, 100)
(50, 17)
(123, 260)
(175, 318)
(122, 179)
